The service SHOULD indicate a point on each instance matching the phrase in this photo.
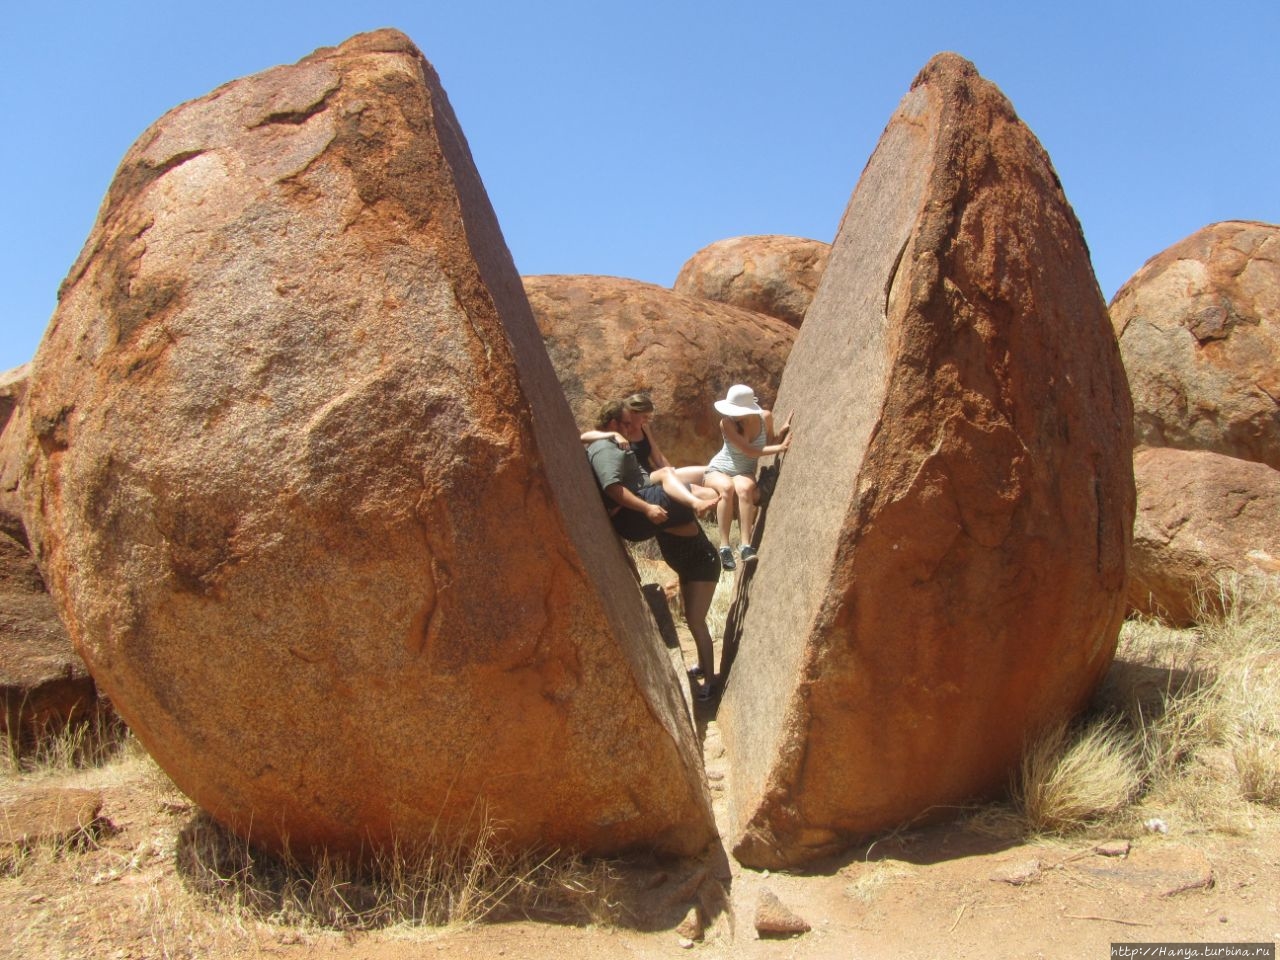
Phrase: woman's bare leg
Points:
(697, 596)
(677, 490)
(723, 485)
(748, 495)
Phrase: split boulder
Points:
(311, 502)
(610, 337)
(774, 275)
(1206, 529)
(1199, 330)
(942, 567)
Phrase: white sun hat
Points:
(740, 401)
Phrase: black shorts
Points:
(692, 558)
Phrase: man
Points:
(640, 510)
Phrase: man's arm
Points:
(629, 501)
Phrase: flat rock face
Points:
(773, 275)
(610, 337)
(942, 568)
(1199, 330)
(312, 505)
(1204, 521)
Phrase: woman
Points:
(748, 434)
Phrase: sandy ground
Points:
(952, 890)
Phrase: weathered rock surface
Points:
(942, 570)
(1205, 523)
(773, 275)
(312, 504)
(610, 337)
(43, 682)
(1199, 330)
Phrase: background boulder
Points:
(609, 337)
(773, 275)
(1199, 329)
(13, 388)
(1207, 528)
(942, 568)
(44, 684)
(310, 500)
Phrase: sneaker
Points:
(726, 558)
(747, 553)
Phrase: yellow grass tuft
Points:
(1070, 778)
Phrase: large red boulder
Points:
(609, 337)
(311, 502)
(1199, 329)
(769, 274)
(1207, 531)
(941, 573)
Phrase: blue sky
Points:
(621, 138)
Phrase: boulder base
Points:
(1206, 530)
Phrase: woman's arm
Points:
(786, 427)
(591, 436)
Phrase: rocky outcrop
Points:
(310, 500)
(43, 682)
(1206, 530)
(777, 276)
(943, 564)
(610, 337)
(13, 388)
(1199, 329)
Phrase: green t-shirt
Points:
(613, 465)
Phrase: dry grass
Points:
(1069, 778)
(89, 741)
(1186, 725)
(438, 884)
(876, 877)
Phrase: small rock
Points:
(692, 927)
(47, 815)
(1155, 825)
(1113, 848)
(1018, 874)
(775, 919)
(686, 943)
